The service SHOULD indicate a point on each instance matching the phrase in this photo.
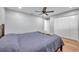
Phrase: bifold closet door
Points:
(67, 26)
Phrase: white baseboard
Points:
(71, 39)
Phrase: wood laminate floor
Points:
(70, 45)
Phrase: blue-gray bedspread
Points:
(30, 42)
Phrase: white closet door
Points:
(67, 27)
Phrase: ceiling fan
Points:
(44, 11)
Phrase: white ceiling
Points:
(31, 10)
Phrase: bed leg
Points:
(61, 48)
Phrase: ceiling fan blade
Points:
(49, 11)
(44, 9)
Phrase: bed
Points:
(30, 42)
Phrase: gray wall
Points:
(2, 15)
(52, 25)
(17, 22)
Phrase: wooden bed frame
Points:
(2, 30)
(60, 48)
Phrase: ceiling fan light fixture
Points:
(45, 17)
